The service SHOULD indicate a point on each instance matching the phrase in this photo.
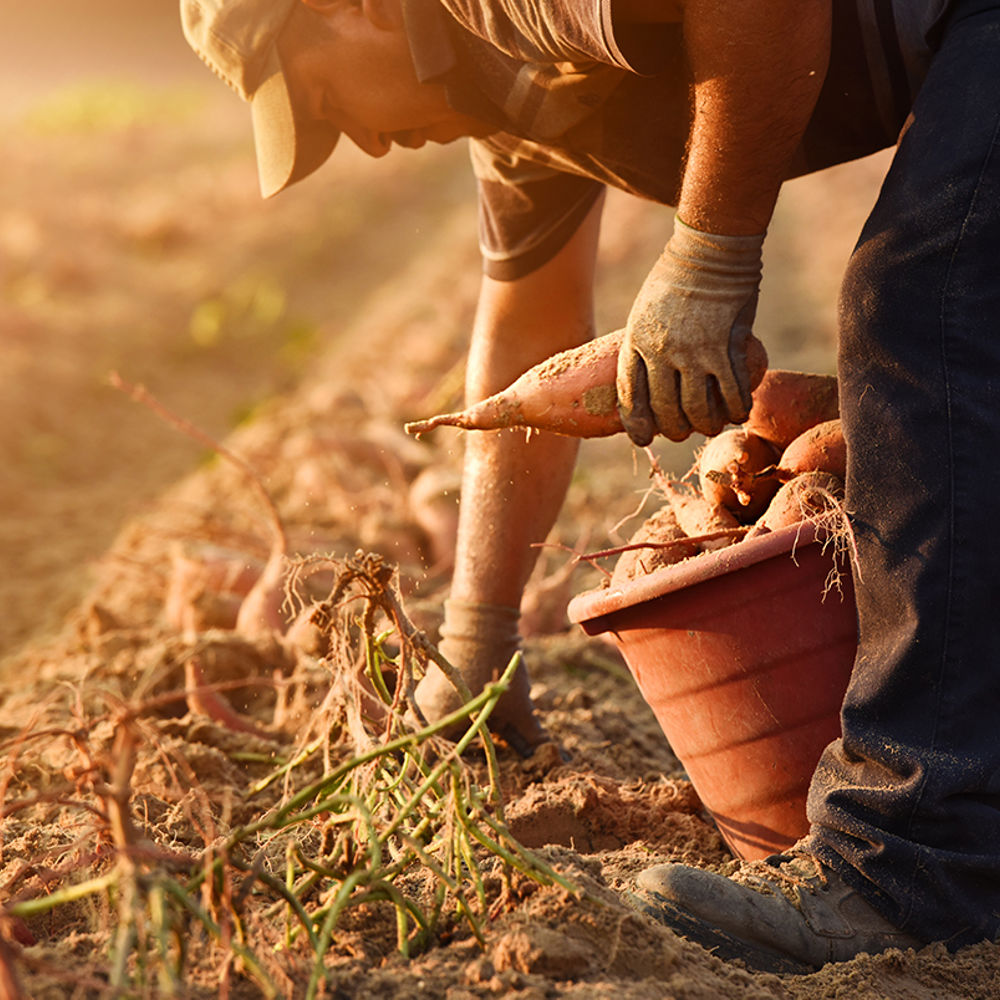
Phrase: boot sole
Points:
(714, 940)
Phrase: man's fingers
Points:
(703, 404)
(633, 397)
(748, 361)
(666, 400)
(734, 392)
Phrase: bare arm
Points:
(758, 68)
(519, 323)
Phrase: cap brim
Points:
(288, 148)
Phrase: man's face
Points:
(361, 80)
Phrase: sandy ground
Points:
(303, 333)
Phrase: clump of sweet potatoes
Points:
(785, 465)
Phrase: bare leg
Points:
(513, 486)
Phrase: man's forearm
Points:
(758, 67)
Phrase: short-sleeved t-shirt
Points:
(580, 103)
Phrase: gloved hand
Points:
(480, 640)
(682, 365)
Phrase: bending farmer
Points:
(708, 107)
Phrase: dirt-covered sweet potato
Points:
(787, 403)
(806, 496)
(653, 549)
(730, 468)
(700, 519)
(820, 449)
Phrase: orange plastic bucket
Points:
(744, 658)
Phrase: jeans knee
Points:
(862, 298)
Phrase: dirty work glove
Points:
(480, 640)
(682, 365)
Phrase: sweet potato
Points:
(805, 496)
(653, 535)
(787, 403)
(820, 449)
(571, 393)
(207, 585)
(261, 611)
(697, 517)
(433, 504)
(203, 699)
(729, 472)
(308, 632)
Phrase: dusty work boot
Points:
(787, 913)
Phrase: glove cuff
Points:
(733, 254)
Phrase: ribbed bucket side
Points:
(746, 673)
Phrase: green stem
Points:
(279, 818)
(492, 693)
(302, 757)
(294, 903)
(248, 957)
(326, 934)
(449, 883)
(33, 907)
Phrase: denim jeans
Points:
(906, 806)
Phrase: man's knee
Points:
(863, 293)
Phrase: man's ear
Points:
(384, 14)
(323, 6)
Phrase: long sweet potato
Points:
(729, 472)
(571, 393)
(787, 403)
(820, 449)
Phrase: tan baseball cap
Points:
(237, 39)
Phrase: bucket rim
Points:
(706, 566)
